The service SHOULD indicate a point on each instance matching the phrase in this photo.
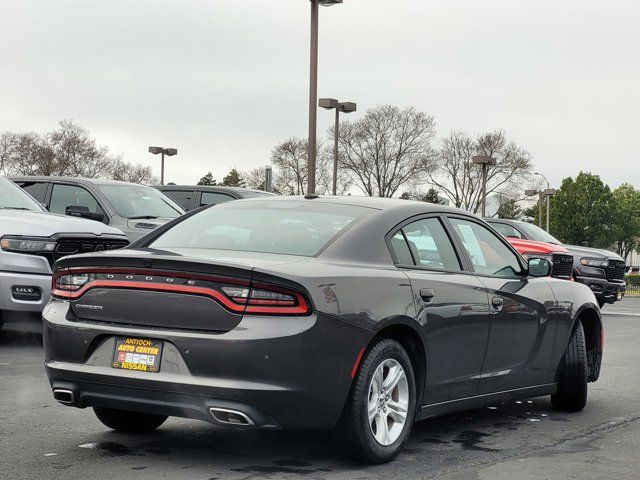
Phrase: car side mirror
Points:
(539, 267)
(83, 212)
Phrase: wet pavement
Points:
(40, 439)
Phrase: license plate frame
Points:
(137, 354)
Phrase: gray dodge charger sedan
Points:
(356, 314)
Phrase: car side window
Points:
(64, 195)
(401, 250)
(212, 198)
(428, 246)
(506, 230)
(181, 197)
(37, 190)
(488, 254)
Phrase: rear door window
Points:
(427, 244)
(214, 198)
(37, 190)
(184, 198)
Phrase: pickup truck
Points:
(601, 270)
(31, 239)
(559, 256)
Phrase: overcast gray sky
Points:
(225, 80)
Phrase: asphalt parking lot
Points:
(40, 439)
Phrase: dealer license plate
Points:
(137, 354)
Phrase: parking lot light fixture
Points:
(345, 107)
(313, 92)
(532, 193)
(545, 194)
(170, 152)
(485, 161)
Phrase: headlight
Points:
(27, 245)
(594, 262)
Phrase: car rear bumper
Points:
(280, 372)
(604, 289)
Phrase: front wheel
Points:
(126, 421)
(380, 410)
(572, 381)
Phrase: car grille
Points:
(616, 270)
(562, 265)
(71, 246)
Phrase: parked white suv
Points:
(31, 239)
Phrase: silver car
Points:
(134, 209)
(31, 239)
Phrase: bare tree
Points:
(387, 148)
(254, 178)
(68, 150)
(290, 160)
(127, 172)
(461, 180)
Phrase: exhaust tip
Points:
(64, 396)
(230, 417)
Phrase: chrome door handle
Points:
(427, 294)
(497, 303)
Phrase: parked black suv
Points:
(601, 270)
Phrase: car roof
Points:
(76, 180)
(377, 203)
(214, 188)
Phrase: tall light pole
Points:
(313, 92)
(170, 152)
(549, 192)
(346, 107)
(485, 161)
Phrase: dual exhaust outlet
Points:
(224, 416)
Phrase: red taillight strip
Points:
(188, 289)
(259, 306)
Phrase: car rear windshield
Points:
(280, 227)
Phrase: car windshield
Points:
(137, 202)
(534, 232)
(279, 227)
(12, 197)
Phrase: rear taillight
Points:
(236, 295)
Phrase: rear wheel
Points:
(572, 382)
(380, 410)
(126, 421)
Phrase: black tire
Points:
(572, 380)
(601, 303)
(354, 432)
(125, 421)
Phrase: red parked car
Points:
(559, 256)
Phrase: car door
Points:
(520, 338)
(64, 195)
(452, 307)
